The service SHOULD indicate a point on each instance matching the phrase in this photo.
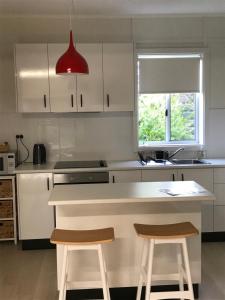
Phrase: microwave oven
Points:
(7, 163)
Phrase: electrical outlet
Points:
(21, 136)
(17, 136)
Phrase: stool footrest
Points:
(171, 295)
(85, 284)
(164, 277)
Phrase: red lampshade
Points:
(71, 61)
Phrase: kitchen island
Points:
(120, 205)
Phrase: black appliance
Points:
(92, 176)
(39, 154)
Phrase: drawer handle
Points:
(173, 177)
(45, 102)
(48, 186)
(81, 100)
(113, 179)
(107, 97)
(72, 100)
(182, 177)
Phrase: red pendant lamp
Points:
(71, 62)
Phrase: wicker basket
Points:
(6, 188)
(4, 147)
(6, 209)
(6, 229)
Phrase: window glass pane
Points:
(152, 124)
(183, 117)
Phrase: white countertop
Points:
(115, 166)
(129, 193)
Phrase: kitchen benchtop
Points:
(135, 192)
(115, 166)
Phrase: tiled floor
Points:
(31, 275)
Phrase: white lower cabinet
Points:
(202, 176)
(159, 175)
(125, 176)
(219, 191)
(36, 217)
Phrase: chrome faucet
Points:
(174, 153)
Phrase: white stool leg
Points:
(62, 291)
(179, 263)
(149, 269)
(107, 281)
(103, 274)
(187, 269)
(143, 264)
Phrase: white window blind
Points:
(169, 74)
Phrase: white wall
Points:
(107, 135)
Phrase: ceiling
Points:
(102, 8)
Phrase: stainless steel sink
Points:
(189, 162)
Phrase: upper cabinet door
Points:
(118, 73)
(62, 88)
(32, 78)
(90, 87)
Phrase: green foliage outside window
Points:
(152, 119)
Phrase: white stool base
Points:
(148, 277)
(96, 284)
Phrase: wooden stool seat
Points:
(77, 237)
(166, 231)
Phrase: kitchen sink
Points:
(189, 162)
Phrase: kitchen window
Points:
(170, 99)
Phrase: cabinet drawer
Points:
(6, 209)
(219, 175)
(6, 188)
(6, 229)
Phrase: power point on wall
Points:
(21, 136)
(17, 136)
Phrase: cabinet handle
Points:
(182, 177)
(107, 97)
(81, 100)
(71, 100)
(45, 102)
(173, 177)
(48, 185)
(113, 179)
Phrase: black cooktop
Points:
(80, 164)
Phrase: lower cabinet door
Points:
(36, 217)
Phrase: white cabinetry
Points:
(217, 71)
(219, 191)
(8, 228)
(125, 176)
(62, 88)
(109, 86)
(118, 74)
(32, 78)
(159, 175)
(202, 176)
(36, 217)
(90, 87)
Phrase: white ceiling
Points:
(112, 7)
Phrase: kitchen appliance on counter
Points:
(80, 177)
(39, 154)
(7, 163)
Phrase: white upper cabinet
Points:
(90, 87)
(32, 78)
(118, 74)
(109, 86)
(62, 88)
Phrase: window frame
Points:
(199, 143)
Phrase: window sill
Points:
(189, 147)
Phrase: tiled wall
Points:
(72, 136)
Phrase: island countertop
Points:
(165, 191)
